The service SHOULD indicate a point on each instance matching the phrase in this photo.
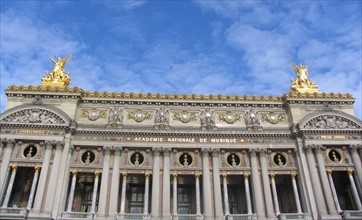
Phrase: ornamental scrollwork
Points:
(115, 117)
(34, 116)
(229, 117)
(273, 118)
(139, 116)
(330, 122)
(93, 114)
(184, 116)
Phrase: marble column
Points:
(166, 196)
(335, 196)
(296, 194)
(95, 190)
(147, 190)
(226, 196)
(266, 184)
(52, 184)
(2, 140)
(323, 176)
(356, 161)
(357, 201)
(216, 183)
(113, 204)
(104, 182)
(206, 194)
(155, 205)
(174, 186)
(198, 196)
(318, 194)
(247, 193)
(275, 195)
(72, 190)
(10, 187)
(257, 191)
(33, 187)
(10, 143)
(123, 194)
(43, 177)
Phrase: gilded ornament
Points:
(57, 77)
(229, 117)
(93, 114)
(302, 84)
(139, 115)
(184, 116)
(273, 118)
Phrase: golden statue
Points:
(302, 83)
(57, 77)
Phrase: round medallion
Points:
(334, 156)
(279, 160)
(137, 158)
(93, 115)
(30, 151)
(185, 159)
(88, 157)
(233, 160)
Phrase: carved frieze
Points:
(93, 114)
(115, 117)
(272, 118)
(207, 119)
(41, 116)
(252, 119)
(162, 118)
(330, 122)
(230, 117)
(184, 116)
(139, 116)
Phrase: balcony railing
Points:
(292, 216)
(351, 214)
(187, 217)
(13, 213)
(241, 217)
(133, 216)
(77, 215)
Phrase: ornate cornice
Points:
(322, 95)
(22, 88)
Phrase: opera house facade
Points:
(70, 154)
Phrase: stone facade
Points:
(71, 154)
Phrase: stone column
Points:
(113, 204)
(356, 161)
(296, 195)
(10, 187)
(226, 197)
(43, 177)
(206, 194)
(174, 212)
(95, 190)
(275, 195)
(321, 205)
(104, 182)
(323, 175)
(72, 190)
(198, 199)
(33, 187)
(266, 184)
(258, 196)
(2, 140)
(123, 194)
(335, 196)
(247, 193)
(147, 190)
(216, 183)
(166, 185)
(52, 184)
(155, 205)
(354, 191)
(10, 143)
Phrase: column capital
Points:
(262, 152)
(97, 173)
(59, 145)
(224, 175)
(174, 174)
(215, 152)
(329, 172)
(353, 148)
(117, 150)
(74, 173)
(107, 150)
(147, 175)
(14, 167)
(272, 175)
(197, 174)
(318, 148)
(293, 175)
(253, 152)
(48, 144)
(166, 152)
(350, 172)
(246, 175)
(156, 151)
(37, 168)
(10, 142)
(205, 152)
(125, 174)
(308, 148)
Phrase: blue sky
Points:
(201, 47)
